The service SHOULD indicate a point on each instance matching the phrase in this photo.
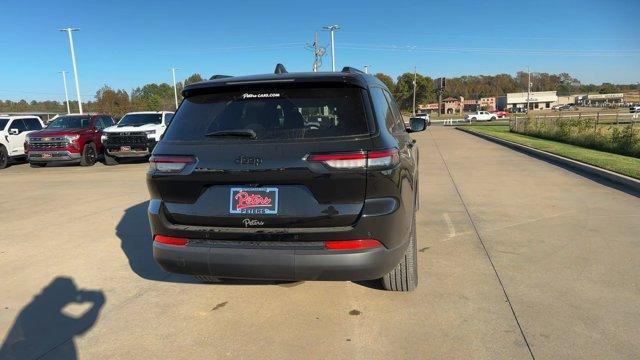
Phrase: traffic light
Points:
(443, 82)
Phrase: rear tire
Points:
(208, 279)
(404, 277)
(89, 155)
(4, 157)
(110, 160)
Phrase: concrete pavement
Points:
(518, 258)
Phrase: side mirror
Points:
(417, 124)
(14, 131)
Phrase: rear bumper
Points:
(50, 156)
(273, 261)
(280, 254)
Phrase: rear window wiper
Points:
(233, 132)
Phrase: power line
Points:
(555, 52)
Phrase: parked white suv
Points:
(135, 135)
(481, 116)
(13, 131)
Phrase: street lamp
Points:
(175, 89)
(332, 29)
(73, 61)
(66, 93)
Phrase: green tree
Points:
(403, 91)
(387, 80)
(153, 97)
(194, 78)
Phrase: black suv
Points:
(287, 176)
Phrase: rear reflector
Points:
(170, 164)
(170, 240)
(355, 160)
(352, 244)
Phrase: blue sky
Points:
(126, 44)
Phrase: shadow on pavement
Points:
(136, 243)
(43, 328)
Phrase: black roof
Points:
(346, 76)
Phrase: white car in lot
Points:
(481, 116)
(13, 131)
(135, 135)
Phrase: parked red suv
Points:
(68, 138)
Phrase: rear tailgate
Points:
(266, 181)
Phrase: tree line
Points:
(156, 97)
(116, 102)
(475, 87)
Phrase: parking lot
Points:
(518, 259)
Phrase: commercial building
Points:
(602, 99)
(537, 100)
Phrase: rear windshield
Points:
(140, 119)
(272, 114)
(69, 122)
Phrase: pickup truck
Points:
(69, 139)
(13, 131)
(135, 135)
(481, 116)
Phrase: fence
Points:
(611, 132)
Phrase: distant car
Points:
(69, 139)
(517, 110)
(481, 116)
(567, 107)
(501, 114)
(634, 109)
(13, 131)
(424, 116)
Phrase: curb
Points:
(623, 180)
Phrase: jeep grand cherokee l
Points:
(68, 139)
(287, 176)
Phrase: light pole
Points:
(75, 68)
(175, 89)
(366, 69)
(66, 93)
(332, 29)
(414, 90)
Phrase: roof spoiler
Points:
(219, 76)
(352, 70)
(280, 69)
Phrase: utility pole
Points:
(66, 93)
(332, 29)
(414, 90)
(175, 89)
(528, 87)
(73, 61)
(366, 69)
(318, 52)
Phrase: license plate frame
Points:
(254, 200)
(125, 148)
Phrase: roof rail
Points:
(280, 69)
(349, 69)
(218, 76)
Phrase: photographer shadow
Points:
(45, 327)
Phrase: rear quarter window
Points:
(272, 113)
